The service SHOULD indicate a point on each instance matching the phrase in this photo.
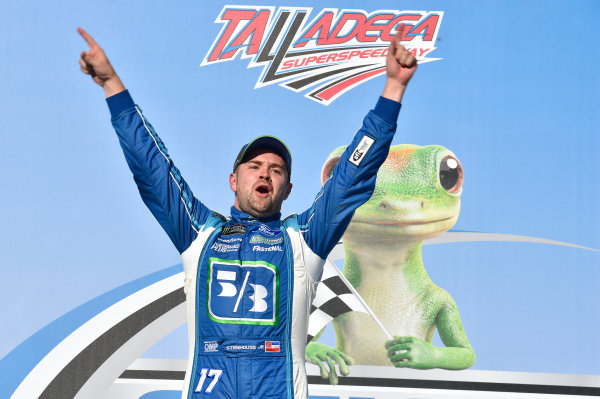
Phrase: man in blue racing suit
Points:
(250, 277)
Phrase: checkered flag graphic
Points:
(334, 296)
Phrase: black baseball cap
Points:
(270, 142)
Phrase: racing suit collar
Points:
(239, 216)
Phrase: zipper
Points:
(288, 342)
(205, 248)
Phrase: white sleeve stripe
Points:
(192, 222)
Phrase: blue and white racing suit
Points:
(249, 281)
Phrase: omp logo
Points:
(327, 55)
(210, 346)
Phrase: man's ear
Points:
(233, 182)
(330, 163)
(288, 191)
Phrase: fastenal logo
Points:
(326, 56)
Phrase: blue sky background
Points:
(515, 98)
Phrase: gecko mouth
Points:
(402, 223)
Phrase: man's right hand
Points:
(95, 63)
(400, 67)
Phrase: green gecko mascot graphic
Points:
(417, 196)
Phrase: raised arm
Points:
(349, 181)
(352, 181)
(95, 63)
(161, 186)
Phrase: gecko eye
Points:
(451, 174)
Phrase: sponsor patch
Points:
(241, 347)
(242, 292)
(271, 346)
(235, 229)
(225, 247)
(361, 150)
(258, 239)
(229, 240)
(274, 248)
(266, 230)
(210, 346)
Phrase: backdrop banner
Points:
(478, 254)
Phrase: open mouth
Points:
(263, 189)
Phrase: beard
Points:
(258, 206)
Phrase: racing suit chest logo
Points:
(233, 229)
(242, 292)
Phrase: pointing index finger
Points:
(397, 40)
(88, 39)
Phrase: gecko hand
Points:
(411, 352)
(322, 355)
